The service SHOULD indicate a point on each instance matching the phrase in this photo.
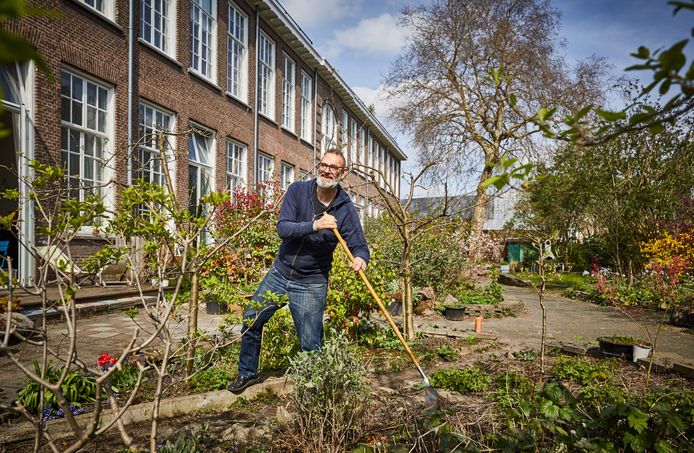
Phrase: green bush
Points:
(349, 302)
(582, 371)
(280, 341)
(329, 397)
(463, 381)
(475, 296)
(216, 377)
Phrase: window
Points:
(306, 107)
(353, 142)
(266, 79)
(369, 152)
(237, 54)
(236, 166)
(288, 94)
(157, 25)
(86, 122)
(264, 166)
(287, 176)
(200, 167)
(381, 165)
(148, 165)
(328, 128)
(105, 7)
(202, 29)
(345, 132)
(361, 152)
(304, 175)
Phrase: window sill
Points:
(204, 79)
(238, 100)
(289, 131)
(160, 52)
(111, 21)
(306, 142)
(267, 118)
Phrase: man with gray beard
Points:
(309, 212)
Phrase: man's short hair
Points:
(338, 152)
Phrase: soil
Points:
(396, 418)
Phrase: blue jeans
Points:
(306, 304)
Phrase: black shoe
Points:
(242, 383)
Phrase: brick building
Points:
(240, 77)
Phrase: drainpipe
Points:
(257, 78)
(315, 114)
(131, 51)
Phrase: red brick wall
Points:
(85, 41)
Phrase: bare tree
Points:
(470, 83)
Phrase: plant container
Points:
(641, 351)
(212, 307)
(616, 349)
(455, 313)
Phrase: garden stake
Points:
(431, 396)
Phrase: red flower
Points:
(106, 360)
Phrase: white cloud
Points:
(315, 12)
(375, 35)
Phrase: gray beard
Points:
(323, 184)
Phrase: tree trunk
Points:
(408, 300)
(479, 214)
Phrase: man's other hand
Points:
(358, 264)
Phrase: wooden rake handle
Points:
(379, 302)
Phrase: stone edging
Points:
(219, 400)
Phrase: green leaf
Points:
(643, 53)
(544, 114)
(637, 419)
(665, 87)
(673, 59)
(656, 128)
(611, 116)
(662, 446)
(549, 409)
(498, 181)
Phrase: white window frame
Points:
(104, 7)
(266, 76)
(237, 53)
(205, 40)
(202, 156)
(153, 118)
(163, 12)
(353, 141)
(78, 133)
(306, 107)
(286, 175)
(361, 152)
(236, 166)
(264, 168)
(328, 128)
(345, 134)
(288, 92)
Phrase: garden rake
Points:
(431, 396)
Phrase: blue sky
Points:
(360, 38)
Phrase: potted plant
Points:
(628, 347)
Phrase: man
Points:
(309, 212)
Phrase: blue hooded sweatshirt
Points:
(306, 255)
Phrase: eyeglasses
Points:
(332, 168)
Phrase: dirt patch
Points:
(396, 417)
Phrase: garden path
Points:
(568, 321)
